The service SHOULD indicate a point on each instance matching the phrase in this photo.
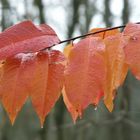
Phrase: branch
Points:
(87, 34)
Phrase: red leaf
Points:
(132, 49)
(39, 74)
(26, 37)
(84, 76)
(14, 85)
(47, 82)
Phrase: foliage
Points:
(91, 69)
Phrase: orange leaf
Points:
(14, 85)
(26, 37)
(116, 67)
(39, 74)
(104, 34)
(70, 107)
(132, 49)
(47, 82)
(84, 75)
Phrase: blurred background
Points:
(70, 18)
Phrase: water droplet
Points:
(95, 108)
(41, 126)
(133, 38)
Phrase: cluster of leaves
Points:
(87, 72)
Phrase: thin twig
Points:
(88, 34)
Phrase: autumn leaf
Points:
(132, 49)
(94, 68)
(84, 75)
(14, 84)
(47, 82)
(26, 37)
(116, 67)
(34, 74)
(70, 106)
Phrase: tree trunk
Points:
(125, 12)
(6, 21)
(107, 16)
(39, 4)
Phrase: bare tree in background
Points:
(6, 20)
(40, 6)
(74, 20)
(107, 15)
(126, 11)
(89, 11)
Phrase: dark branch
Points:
(88, 34)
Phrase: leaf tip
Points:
(12, 118)
(42, 119)
(109, 106)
